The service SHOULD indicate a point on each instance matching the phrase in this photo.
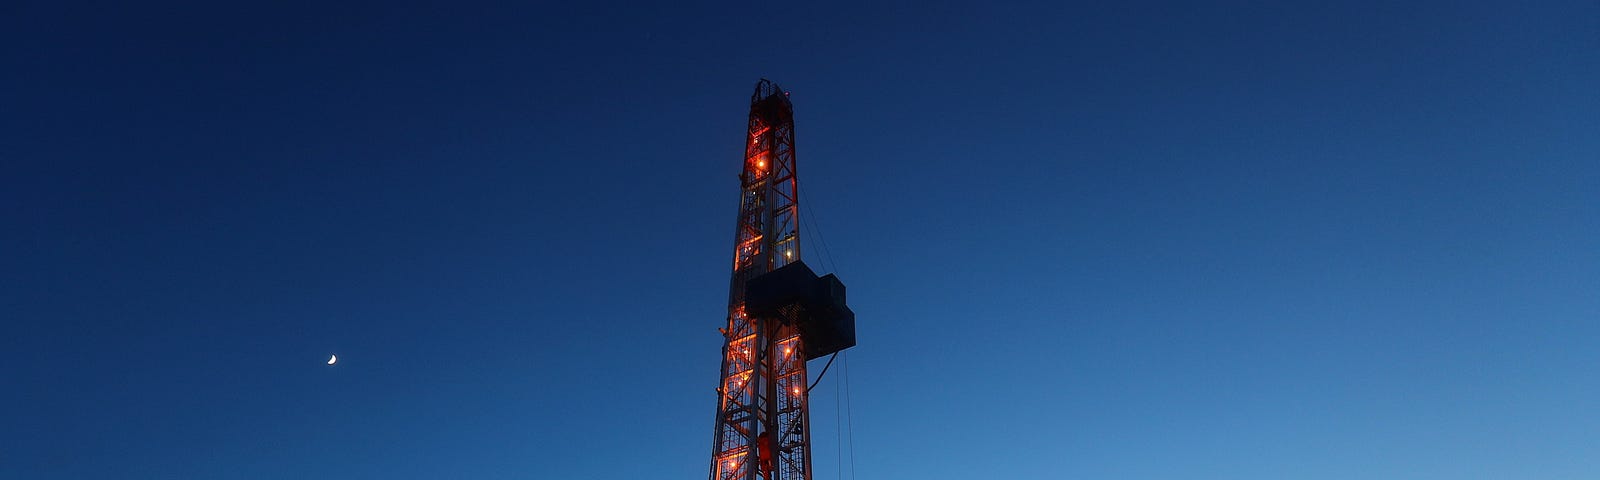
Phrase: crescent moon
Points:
(332, 358)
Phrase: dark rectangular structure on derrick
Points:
(795, 295)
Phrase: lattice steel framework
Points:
(761, 429)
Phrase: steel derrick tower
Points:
(780, 314)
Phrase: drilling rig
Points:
(780, 313)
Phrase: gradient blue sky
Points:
(1112, 240)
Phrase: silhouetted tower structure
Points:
(780, 314)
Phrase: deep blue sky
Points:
(1116, 240)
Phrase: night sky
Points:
(1115, 240)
